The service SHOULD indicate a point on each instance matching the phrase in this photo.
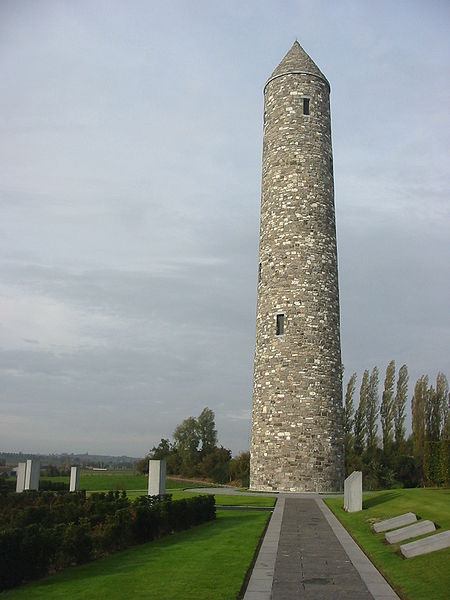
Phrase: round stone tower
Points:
(297, 432)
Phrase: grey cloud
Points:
(129, 191)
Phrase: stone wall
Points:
(297, 436)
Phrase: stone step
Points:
(411, 531)
(435, 542)
(395, 522)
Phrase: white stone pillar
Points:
(156, 477)
(20, 475)
(32, 474)
(74, 479)
(353, 492)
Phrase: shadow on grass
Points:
(379, 499)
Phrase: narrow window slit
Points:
(306, 106)
(280, 324)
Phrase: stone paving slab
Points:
(307, 554)
(311, 562)
(260, 584)
(432, 543)
(395, 522)
(375, 582)
(410, 531)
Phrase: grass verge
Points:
(420, 578)
(208, 562)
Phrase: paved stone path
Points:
(311, 563)
(307, 554)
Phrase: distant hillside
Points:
(84, 460)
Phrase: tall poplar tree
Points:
(442, 392)
(433, 415)
(400, 407)
(372, 410)
(418, 415)
(359, 425)
(432, 447)
(348, 414)
(387, 408)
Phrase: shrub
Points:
(77, 543)
(59, 530)
(10, 558)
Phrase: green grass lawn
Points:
(136, 485)
(208, 562)
(102, 481)
(423, 577)
(229, 500)
(221, 499)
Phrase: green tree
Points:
(348, 414)
(207, 431)
(433, 415)
(443, 399)
(387, 408)
(240, 468)
(359, 425)
(442, 391)
(400, 407)
(215, 465)
(372, 410)
(162, 450)
(435, 465)
(187, 440)
(418, 415)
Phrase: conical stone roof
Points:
(297, 61)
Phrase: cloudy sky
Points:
(130, 166)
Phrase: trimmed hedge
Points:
(41, 533)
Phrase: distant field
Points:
(208, 562)
(420, 578)
(100, 481)
(136, 485)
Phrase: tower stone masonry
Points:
(297, 432)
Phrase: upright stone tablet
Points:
(74, 479)
(20, 474)
(411, 531)
(32, 474)
(395, 522)
(156, 477)
(353, 492)
(435, 542)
